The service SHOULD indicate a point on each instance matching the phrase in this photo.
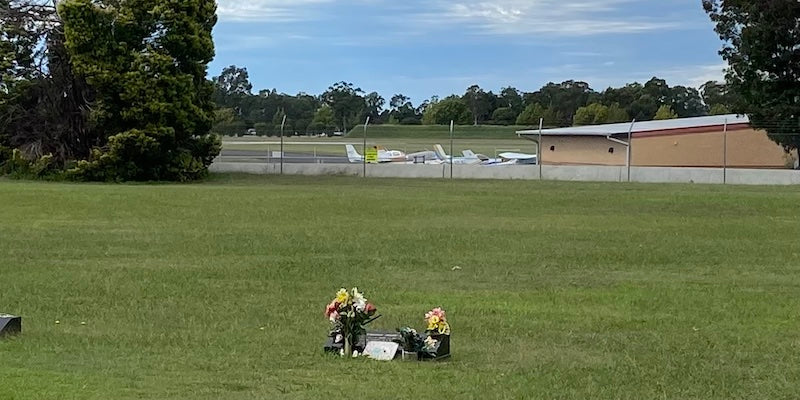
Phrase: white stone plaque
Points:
(384, 351)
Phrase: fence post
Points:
(539, 148)
(451, 148)
(364, 149)
(283, 123)
(725, 152)
(629, 149)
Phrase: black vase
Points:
(441, 350)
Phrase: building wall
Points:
(581, 150)
(747, 148)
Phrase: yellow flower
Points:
(433, 322)
(444, 328)
(342, 296)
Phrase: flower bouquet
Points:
(435, 343)
(348, 313)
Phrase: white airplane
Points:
(469, 158)
(472, 158)
(519, 158)
(393, 156)
(484, 160)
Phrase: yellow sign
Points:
(372, 155)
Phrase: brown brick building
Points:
(684, 142)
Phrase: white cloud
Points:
(553, 17)
(267, 10)
(693, 75)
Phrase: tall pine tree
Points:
(146, 61)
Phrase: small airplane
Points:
(393, 156)
(520, 158)
(469, 156)
(484, 160)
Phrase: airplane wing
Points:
(518, 156)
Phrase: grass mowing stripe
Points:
(566, 290)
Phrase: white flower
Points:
(359, 302)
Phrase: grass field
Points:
(566, 290)
(436, 131)
(335, 146)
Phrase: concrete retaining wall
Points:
(585, 173)
(529, 172)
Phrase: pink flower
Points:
(334, 316)
(438, 312)
(370, 309)
(330, 308)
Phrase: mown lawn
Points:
(336, 146)
(566, 290)
(387, 131)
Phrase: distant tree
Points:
(592, 114)
(403, 112)
(687, 102)
(617, 114)
(623, 96)
(300, 110)
(398, 101)
(553, 118)
(478, 102)
(564, 98)
(233, 81)
(373, 105)
(761, 41)
(644, 108)
(224, 115)
(718, 94)
(323, 120)
(511, 98)
(346, 102)
(531, 115)
(665, 112)
(659, 90)
(442, 112)
(504, 116)
(719, 109)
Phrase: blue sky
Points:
(439, 47)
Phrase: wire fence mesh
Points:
(729, 145)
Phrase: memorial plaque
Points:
(335, 343)
(383, 351)
(10, 324)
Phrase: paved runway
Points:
(291, 158)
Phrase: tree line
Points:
(345, 105)
(118, 90)
(106, 89)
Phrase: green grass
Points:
(335, 146)
(435, 132)
(567, 290)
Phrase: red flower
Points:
(330, 308)
(370, 309)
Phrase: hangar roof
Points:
(645, 126)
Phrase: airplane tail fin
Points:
(469, 154)
(437, 148)
(352, 154)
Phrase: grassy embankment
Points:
(485, 139)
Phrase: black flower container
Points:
(441, 350)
